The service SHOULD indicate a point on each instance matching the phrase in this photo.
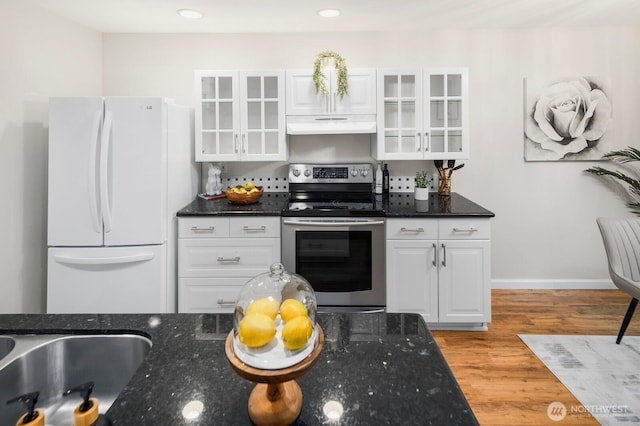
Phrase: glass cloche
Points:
(275, 320)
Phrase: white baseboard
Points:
(552, 284)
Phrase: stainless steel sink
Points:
(51, 364)
(6, 345)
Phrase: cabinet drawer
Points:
(465, 229)
(254, 227)
(209, 294)
(240, 257)
(412, 229)
(203, 227)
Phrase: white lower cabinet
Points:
(217, 256)
(441, 269)
(412, 279)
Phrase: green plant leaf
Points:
(621, 157)
(421, 180)
(341, 69)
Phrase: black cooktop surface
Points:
(333, 204)
(336, 208)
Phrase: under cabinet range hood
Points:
(331, 124)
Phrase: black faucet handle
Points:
(85, 390)
(29, 400)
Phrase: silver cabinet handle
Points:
(334, 223)
(254, 228)
(235, 142)
(198, 229)
(469, 229)
(244, 143)
(435, 254)
(226, 302)
(427, 141)
(403, 229)
(419, 145)
(229, 259)
(444, 255)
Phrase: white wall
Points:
(544, 227)
(545, 212)
(40, 56)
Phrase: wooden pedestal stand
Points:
(277, 398)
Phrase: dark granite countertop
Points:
(397, 204)
(403, 204)
(383, 369)
(270, 204)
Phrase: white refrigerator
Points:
(119, 170)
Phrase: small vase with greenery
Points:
(630, 184)
(422, 185)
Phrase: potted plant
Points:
(631, 185)
(422, 186)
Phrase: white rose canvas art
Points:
(567, 119)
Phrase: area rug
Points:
(603, 376)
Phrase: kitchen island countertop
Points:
(382, 368)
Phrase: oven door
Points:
(342, 258)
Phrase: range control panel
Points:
(331, 173)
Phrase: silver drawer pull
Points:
(469, 229)
(226, 302)
(198, 229)
(411, 230)
(435, 254)
(229, 259)
(254, 228)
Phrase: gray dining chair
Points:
(621, 239)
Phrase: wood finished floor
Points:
(504, 382)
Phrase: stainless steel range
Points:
(333, 234)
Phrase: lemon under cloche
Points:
(275, 319)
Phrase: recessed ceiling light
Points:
(329, 13)
(190, 13)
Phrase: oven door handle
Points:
(333, 223)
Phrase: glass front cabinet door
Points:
(240, 116)
(422, 114)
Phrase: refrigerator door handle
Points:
(93, 179)
(74, 260)
(104, 171)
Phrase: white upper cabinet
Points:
(240, 116)
(422, 114)
(302, 98)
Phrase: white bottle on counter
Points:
(379, 179)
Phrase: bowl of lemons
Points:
(275, 320)
(248, 193)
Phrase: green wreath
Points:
(341, 69)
